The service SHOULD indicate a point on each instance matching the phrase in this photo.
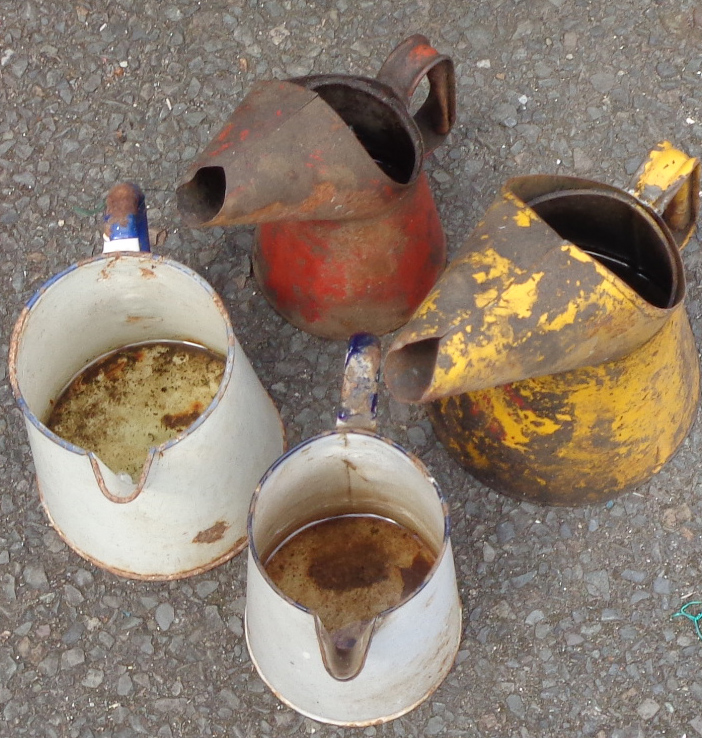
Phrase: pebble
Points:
(648, 709)
(206, 588)
(164, 615)
(516, 706)
(633, 576)
(124, 685)
(35, 576)
(71, 658)
(661, 586)
(505, 531)
(535, 616)
(93, 678)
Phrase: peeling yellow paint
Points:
(664, 168)
(482, 299)
(525, 217)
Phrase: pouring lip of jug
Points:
(30, 415)
(446, 537)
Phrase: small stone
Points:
(435, 725)
(633, 576)
(235, 626)
(416, 435)
(93, 678)
(597, 583)
(661, 586)
(505, 531)
(206, 588)
(124, 685)
(574, 639)
(666, 70)
(35, 576)
(213, 619)
(49, 666)
(522, 579)
(489, 553)
(165, 614)
(73, 634)
(230, 699)
(534, 617)
(516, 706)
(696, 723)
(72, 595)
(7, 665)
(72, 657)
(83, 578)
(603, 82)
(647, 709)
(638, 597)
(609, 615)
(53, 541)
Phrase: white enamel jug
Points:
(380, 668)
(187, 511)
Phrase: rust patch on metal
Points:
(122, 201)
(179, 421)
(147, 273)
(213, 533)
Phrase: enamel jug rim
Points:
(50, 283)
(446, 536)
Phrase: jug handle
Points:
(404, 69)
(669, 182)
(126, 226)
(359, 390)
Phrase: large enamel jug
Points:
(555, 351)
(186, 511)
(330, 166)
(380, 663)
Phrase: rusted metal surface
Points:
(330, 166)
(555, 350)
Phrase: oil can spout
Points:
(285, 154)
(344, 650)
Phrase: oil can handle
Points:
(126, 227)
(404, 69)
(669, 181)
(359, 390)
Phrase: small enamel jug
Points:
(343, 667)
(185, 511)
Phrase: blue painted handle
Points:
(359, 391)
(126, 227)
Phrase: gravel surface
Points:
(567, 612)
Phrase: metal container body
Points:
(555, 351)
(331, 167)
(334, 278)
(187, 512)
(583, 436)
(413, 644)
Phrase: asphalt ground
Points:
(568, 626)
